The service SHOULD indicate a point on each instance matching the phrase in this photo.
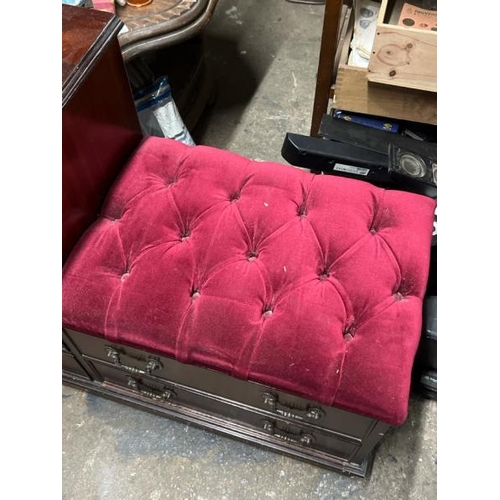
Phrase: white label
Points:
(352, 170)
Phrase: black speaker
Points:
(415, 168)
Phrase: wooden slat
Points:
(344, 32)
(329, 43)
(353, 92)
(404, 58)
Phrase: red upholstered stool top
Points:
(311, 284)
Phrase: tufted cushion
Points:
(311, 284)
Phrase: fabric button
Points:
(252, 255)
(114, 218)
(349, 333)
(268, 312)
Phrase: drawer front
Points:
(71, 365)
(275, 403)
(176, 397)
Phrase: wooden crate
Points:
(402, 56)
(354, 90)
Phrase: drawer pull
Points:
(164, 395)
(273, 403)
(152, 364)
(304, 439)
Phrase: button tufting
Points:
(234, 197)
(398, 296)
(252, 255)
(172, 181)
(373, 230)
(348, 333)
(324, 276)
(195, 294)
(185, 236)
(125, 275)
(267, 312)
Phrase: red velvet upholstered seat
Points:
(310, 284)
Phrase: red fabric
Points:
(311, 284)
(105, 5)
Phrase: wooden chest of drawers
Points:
(320, 434)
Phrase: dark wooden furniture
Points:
(328, 48)
(162, 24)
(164, 38)
(100, 131)
(316, 433)
(99, 122)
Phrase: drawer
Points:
(269, 401)
(177, 398)
(403, 56)
(71, 365)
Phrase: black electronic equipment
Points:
(324, 156)
(415, 168)
(365, 153)
(356, 134)
(370, 138)
(425, 368)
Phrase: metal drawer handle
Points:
(304, 439)
(164, 395)
(152, 364)
(279, 408)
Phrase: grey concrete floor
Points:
(264, 56)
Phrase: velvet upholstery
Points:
(312, 284)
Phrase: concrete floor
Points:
(264, 57)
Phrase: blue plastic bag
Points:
(158, 113)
